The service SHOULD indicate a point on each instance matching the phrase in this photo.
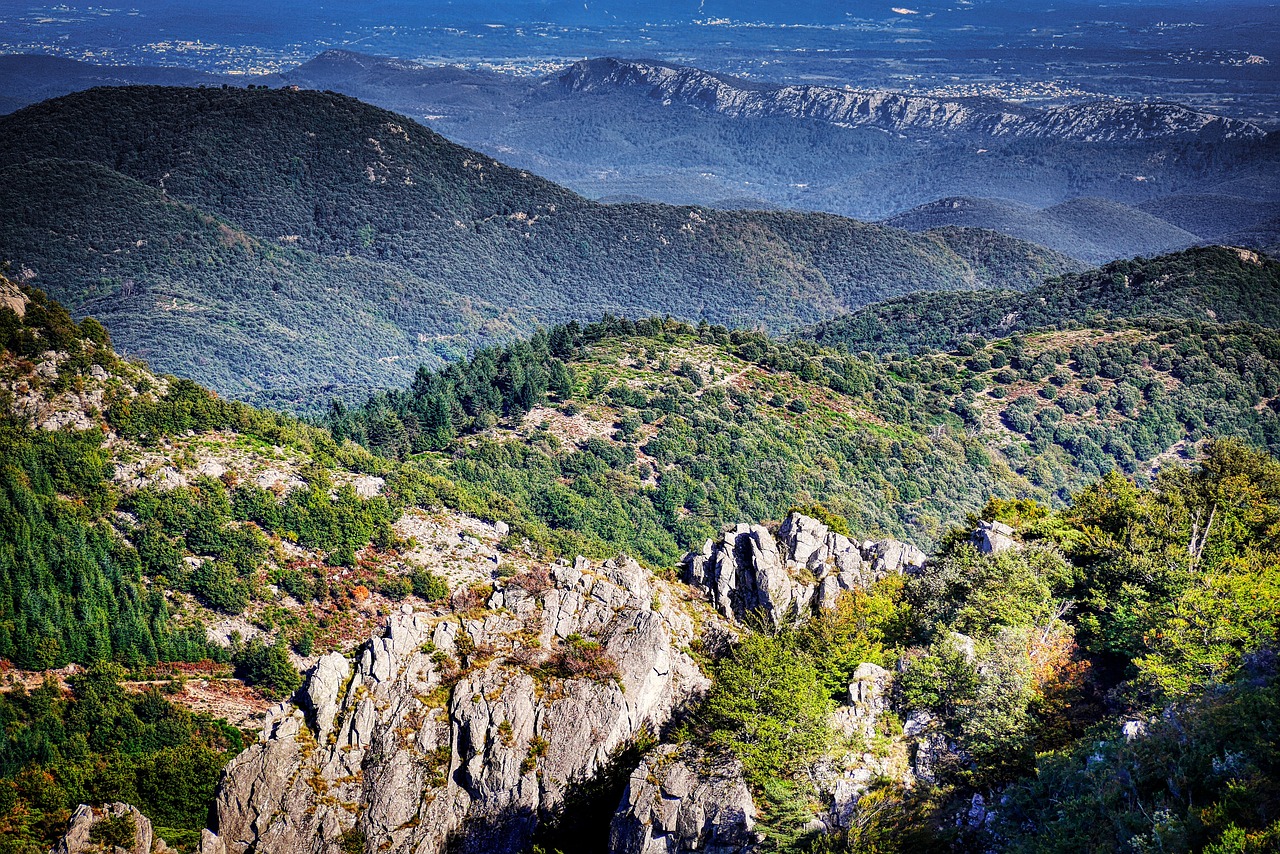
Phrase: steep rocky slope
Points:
(466, 730)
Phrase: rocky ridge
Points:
(803, 569)
(1097, 121)
(463, 726)
(463, 729)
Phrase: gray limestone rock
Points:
(868, 699)
(805, 568)
(80, 832)
(994, 537)
(681, 800)
(440, 735)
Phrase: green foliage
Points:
(73, 586)
(900, 444)
(1204, 773)
(267, 666)
(768, 706)
(98, 744)
(1152, 560)
(978, 594)
(296, 259)
(853, 632)
(429, 586)
(1217, 282)
(352, 841)
(219, 587)
(114, 831)
(1212, 626)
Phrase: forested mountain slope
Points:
(409, 246)
(181, 547)
(1094, 230)
(709, 426)
(1154, 177)
(1216, 284)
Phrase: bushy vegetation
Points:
(84, 584)
(268, 667)
(1127, 605)
(101, 743)
(1213, 283)
(892, 442)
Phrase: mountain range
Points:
(611, 128)
(568, 573)
(295, 245)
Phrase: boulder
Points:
(993, 538)
(680, 799)
(744, 573)
(81, 838)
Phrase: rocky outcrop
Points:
(868, 701)
(463, 729)
(804, 568)
(992, 538)
(88, 833)
(681, 799)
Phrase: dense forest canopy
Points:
(325, 247)
(1220, 284)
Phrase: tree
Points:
(768, 706)
(267, 666)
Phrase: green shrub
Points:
(267, 666)
(428, 586)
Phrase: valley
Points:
(561, 428)
(357, 223)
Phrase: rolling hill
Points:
(610, 128)
(399, 246)
(1211, 284)
(1093, 230)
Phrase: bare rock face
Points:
(804, 568)
(682, 800)
(868, 701)
(994, 537)
(930, 748)
(462, 730)
(81, 838)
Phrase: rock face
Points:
(80, 832)
(680, 799)
(805, 568)
(868, 701)
(461, 730)
(994, 537)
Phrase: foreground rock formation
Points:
(681, 798)
(805, 568)
(461, 730)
